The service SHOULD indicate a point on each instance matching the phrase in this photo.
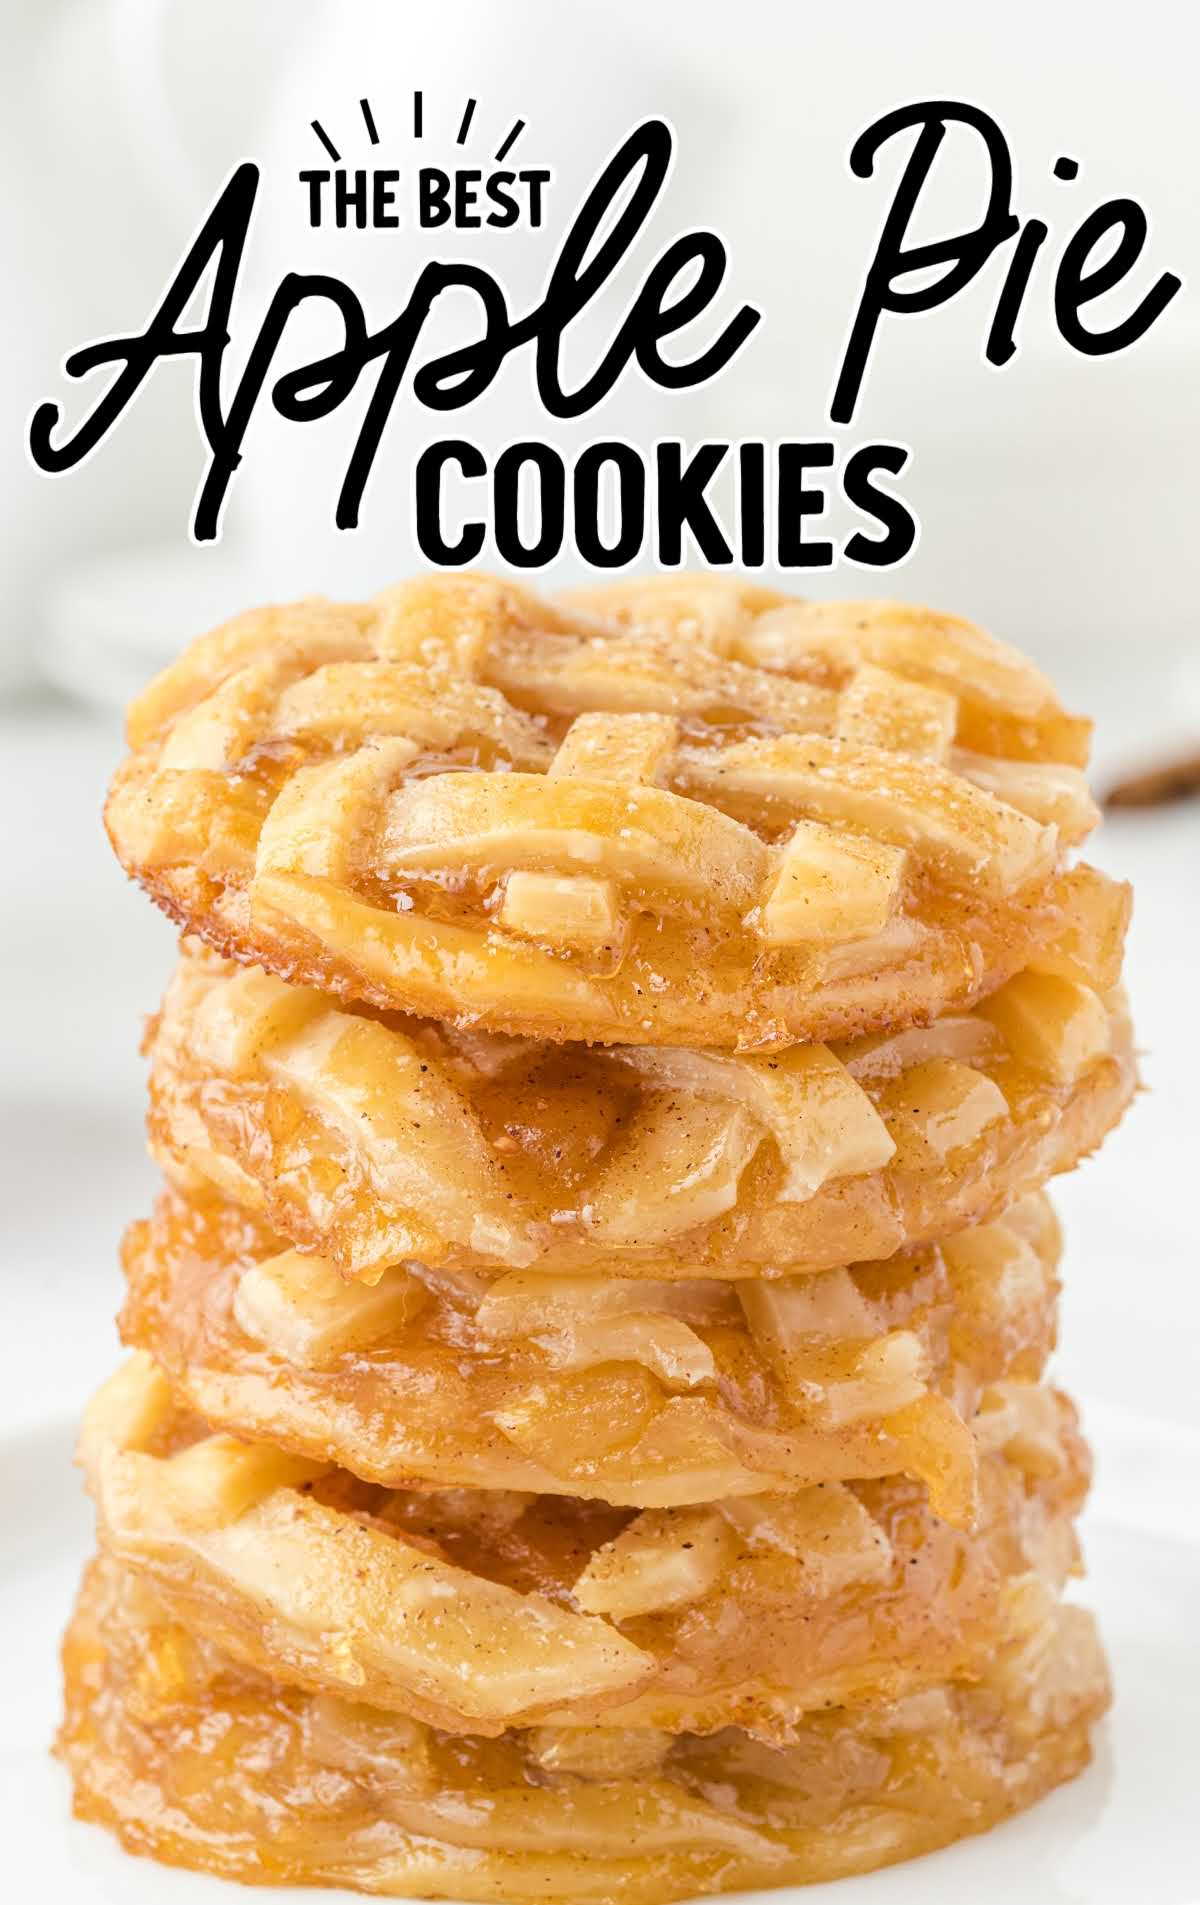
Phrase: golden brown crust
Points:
(459, 800)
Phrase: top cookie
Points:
(685, 812)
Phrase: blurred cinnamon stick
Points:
(1158, 786)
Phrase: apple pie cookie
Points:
(460, 800)
(638, 1392)
(475, 1610)
(199, 1760)
(587, 1433)
(372, 1139)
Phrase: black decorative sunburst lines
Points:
(327, 142)
(465, 124)
(507, 143)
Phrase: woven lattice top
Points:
(748, 823)
(478, 1610)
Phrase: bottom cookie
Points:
(199, 1762)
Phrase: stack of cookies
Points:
(586, 1434)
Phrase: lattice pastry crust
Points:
(197, 1760)
(375, 1140)
(477, 1610)
(638, 1392)
(459, 800)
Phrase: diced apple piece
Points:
(1053, 1025)
(679, 849)
(799, 1321)
(126, 1412)
(616, 747)
(363, 1740)
(826, 1528)
(941, 1448)
(823, 1123)
(879, 709)
(583, 1321)
(889, 1375)
(997, 1273)
(830, 886)
(561, 909)
(677, 1164)
(785, 1311)
(934, 1110)
(524, 1302)
(447, 625)
(299, 1307)
(571, 1422)
(1093, 919)
(489, 1513)
(145, 1498)
(1033, 1218)
(665, 1558)
(215, 1481)
(434, 959)
(673, 1351)
(1023, 1419)
(900, 944)
(416, 1134)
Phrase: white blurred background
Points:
(1058, 497)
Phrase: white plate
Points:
(1127, 1833)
